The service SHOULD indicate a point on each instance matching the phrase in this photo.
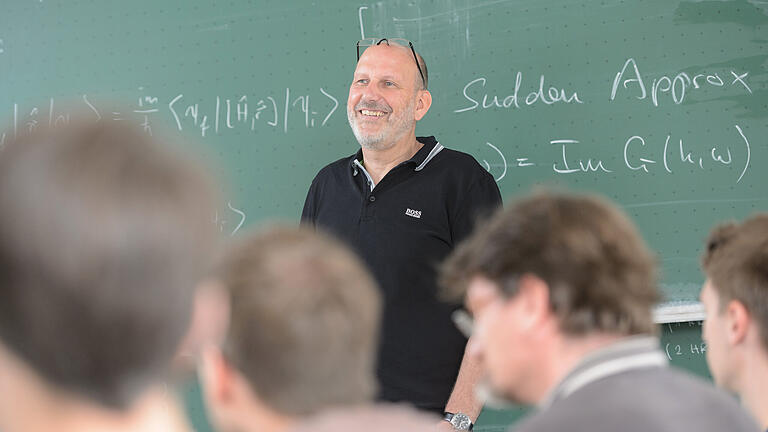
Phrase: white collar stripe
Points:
(435, 150)
(608, 368)
(370, 179)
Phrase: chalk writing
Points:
(677, 152)
(677, 86)
(229, 221)
(566, 169)
(639, 155)
(549, 96)
(227, 113)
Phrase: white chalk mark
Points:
(678, 202)
(173, 111)
(487, 165)
(90, 105)
(360, 16)
(287, 105)
(504, 160)
(218, 109)
(749, 153)
(565, 141)
(335, 105)
(242, 217)
(420, 18)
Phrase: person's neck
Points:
(262, 419)
(379, 162)
(155, 411)
(564, 356)
(754, 381)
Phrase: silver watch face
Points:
(461, 422)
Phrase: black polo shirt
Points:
(403, 228)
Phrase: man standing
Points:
(735, 297)
(561, 289)
(403, 203)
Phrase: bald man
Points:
(403, 203)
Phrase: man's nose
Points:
(371, 94)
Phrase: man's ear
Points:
(533, 301)
(738, 321)
(216, 375)
(423, 103)
(208, 322)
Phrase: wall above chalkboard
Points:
(660, 105)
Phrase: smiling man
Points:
(403, 203)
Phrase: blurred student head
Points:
(302, 333)
(548, 272)
(735, 298)
(104, 235)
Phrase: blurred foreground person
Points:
(300, 348)
(104, 236)
(735, 298)
(561, 288)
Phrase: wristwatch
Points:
(459, 421)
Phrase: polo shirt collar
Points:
(426, 153)
(637, 352)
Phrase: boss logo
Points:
(413, 213)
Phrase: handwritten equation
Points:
(212, 117)
(637, 155)
(696, 348)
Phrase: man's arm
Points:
(463, 398)
(483, 197)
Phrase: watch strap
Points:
(448, 416)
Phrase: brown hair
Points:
(736, 262)
(600, 274)
(304, 320)
(104, 235)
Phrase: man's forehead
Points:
(384, 57)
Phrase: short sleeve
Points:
(478, 203)
(309, 213)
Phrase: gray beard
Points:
(379, 141)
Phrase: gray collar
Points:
(638, 352)
(431, 155)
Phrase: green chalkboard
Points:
(661, 105)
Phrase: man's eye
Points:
(361, 81)
(389, 83)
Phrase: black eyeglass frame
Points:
(413, 51)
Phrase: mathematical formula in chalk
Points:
(666, 157)
(209, 117)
